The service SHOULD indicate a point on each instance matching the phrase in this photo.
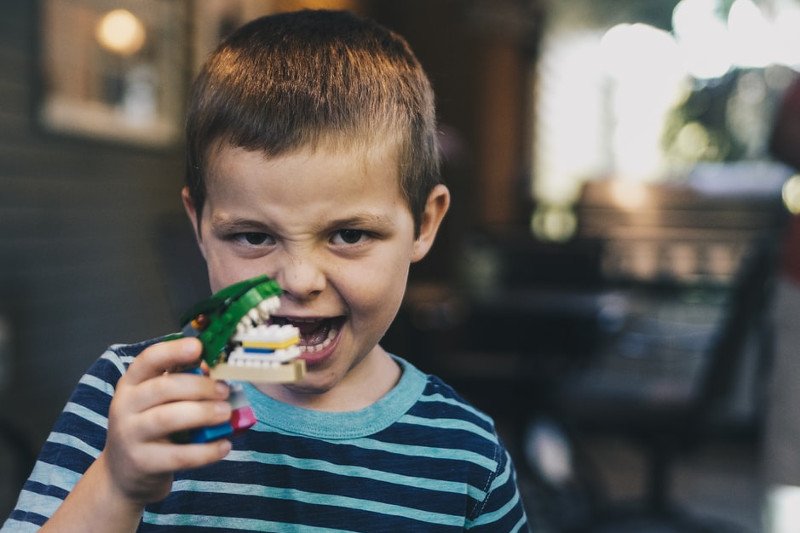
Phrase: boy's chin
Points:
(308, 392)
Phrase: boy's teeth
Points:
(312, 348)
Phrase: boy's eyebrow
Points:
(359, 219)
(224, 224)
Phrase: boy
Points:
(312, 159)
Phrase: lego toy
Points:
(240, 344)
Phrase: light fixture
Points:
(121, 32)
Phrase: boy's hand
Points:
(149, 405)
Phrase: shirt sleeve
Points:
(76, 440)
(502, 510)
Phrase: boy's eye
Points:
(254, 238)
(348, 236)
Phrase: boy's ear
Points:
(191, 212)
(435, 208)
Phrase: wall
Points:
(78, 220)
(479, 73)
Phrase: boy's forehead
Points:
(353, 182)
(378, 150)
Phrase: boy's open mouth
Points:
(316, 334)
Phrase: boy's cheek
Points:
(377, 294)
(223, 272)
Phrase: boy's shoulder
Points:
(447, 410)
(127, 351)
(442, 393)
(114, 362)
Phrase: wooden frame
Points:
(113, 70)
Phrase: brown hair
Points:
(295, 80)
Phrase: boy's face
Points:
(334, 230)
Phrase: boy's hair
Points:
(309, 78)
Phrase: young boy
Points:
(312, 158)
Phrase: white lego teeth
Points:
(258, 315)
(264, 345)
(264, 333)
(239, 357)
(268, 307)
(272, 333)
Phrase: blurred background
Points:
(615, 283)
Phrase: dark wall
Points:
(478, 56)
(78, 220)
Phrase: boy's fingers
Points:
(167, 388)
(161, 421)
(163, 357)
(168, 457)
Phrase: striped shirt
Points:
(419, 459)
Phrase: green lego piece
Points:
(214, 321)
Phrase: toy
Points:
(239, 344)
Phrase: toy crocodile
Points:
(238, 343)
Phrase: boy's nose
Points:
(300, 278)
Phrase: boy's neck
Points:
(367, 383)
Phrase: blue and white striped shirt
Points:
(419, 459)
